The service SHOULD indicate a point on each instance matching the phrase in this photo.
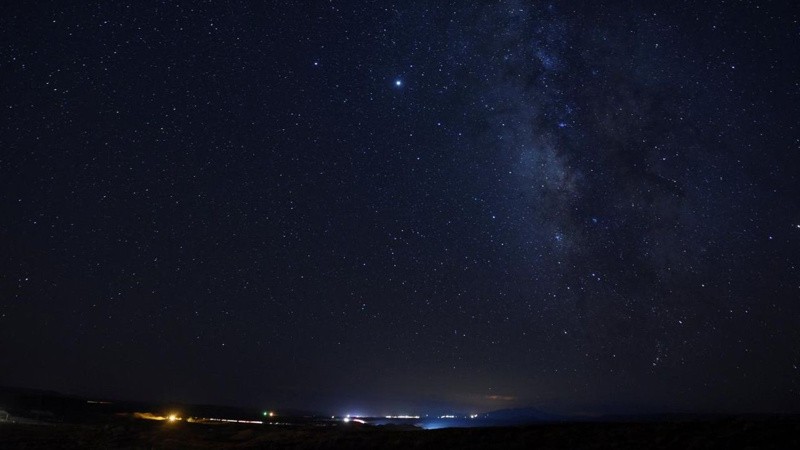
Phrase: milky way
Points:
(402, 208)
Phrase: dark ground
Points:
(778, 433)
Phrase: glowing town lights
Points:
(402, 417)
(254, 422)
(173, 418)
(352, 419)
(473, 416)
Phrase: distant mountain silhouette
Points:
(523, 415)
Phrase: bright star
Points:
(398, 83)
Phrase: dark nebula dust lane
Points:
(395, 208)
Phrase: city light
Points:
(255, 422)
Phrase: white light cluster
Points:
(257, 422)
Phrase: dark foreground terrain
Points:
(752, 433)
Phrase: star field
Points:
(398, 207)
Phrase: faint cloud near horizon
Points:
(502, 398)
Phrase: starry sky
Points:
(397, 207)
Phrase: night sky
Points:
(401, 207)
